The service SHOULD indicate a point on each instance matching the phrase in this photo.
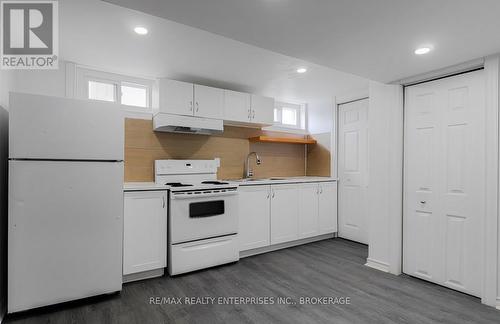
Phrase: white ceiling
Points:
(100, 35)
(374, 39)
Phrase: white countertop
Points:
(142, 186)
(146, 186)
(282, 180)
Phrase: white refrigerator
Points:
(65, 200)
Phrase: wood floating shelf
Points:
(286, 140)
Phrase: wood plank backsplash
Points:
(143, 146)
(319, 156)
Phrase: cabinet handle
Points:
(320, 190)
(249, 113)
(268, 194)
(197, 106)
(253, 115)
(190, 106)
(273, 193)
(422, 201)
(163, 199)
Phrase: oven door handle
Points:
(177, 195)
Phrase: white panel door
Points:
(308, 210)
(208, 102)
(284, 213)
(445, 181)
(176, 97)
(353, 170)
(65, 231)
(237, 106)
(262, 110)
(254, 217)
(144, 231)
(327, 207)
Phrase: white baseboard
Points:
(247, 253)
(143, 275)
(378, 265)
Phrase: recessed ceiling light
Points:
(141, 30)
(301, 70)
(422, 50)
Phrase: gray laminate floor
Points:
(330, 268)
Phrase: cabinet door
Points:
(237, 106)
(254, 214)
(176, 97)
(145, 231)
(284, 213)
(327, 207)
(308, 210)
(208, 102)
(262, 110)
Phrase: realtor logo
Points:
(29, 35)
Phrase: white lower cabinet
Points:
(327, 207)
(308, 210)
(254, 217)
(274, 214)
(284, 213)
(145, 231)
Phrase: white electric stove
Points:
(203, 215)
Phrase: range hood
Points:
(163, 122)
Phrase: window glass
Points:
(277, 118)
(289, 116)
(102, 91)
(134, 95)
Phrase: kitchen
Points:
(188, 171)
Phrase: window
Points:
(134, 95)
(288, 115)
(128, 91)
(101, 91)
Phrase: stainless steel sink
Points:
(259, 179)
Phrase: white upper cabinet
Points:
(237, 106)
(327, 207)
(208, 102)
(262, 110)
(176, 97)
(308, 210)
(254, 217)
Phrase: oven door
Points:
(198, 215)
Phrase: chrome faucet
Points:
(248, 173)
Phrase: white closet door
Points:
(353, 171)
(445, 181)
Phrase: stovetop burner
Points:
(178, 184)
(215, 182)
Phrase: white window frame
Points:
(81, 90)
(300, 127)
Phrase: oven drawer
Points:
(202, 217)
(186, 257)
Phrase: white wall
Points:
(43, 82)
(385, 187)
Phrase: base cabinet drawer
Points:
(144, 231)
(191, 256)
